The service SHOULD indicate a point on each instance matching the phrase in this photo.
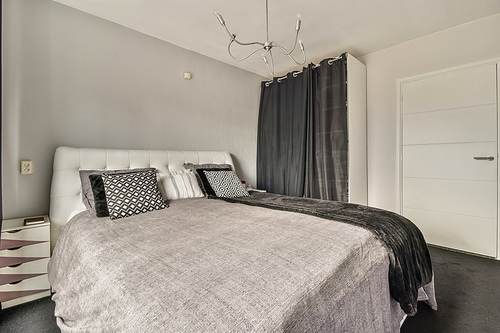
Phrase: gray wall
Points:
(76, 80)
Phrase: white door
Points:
(449, 157)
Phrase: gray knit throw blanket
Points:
(410, 263)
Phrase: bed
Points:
(244, 264)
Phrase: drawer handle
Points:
(14, 248)
(16, 282)
(16, 265)
(14, 231)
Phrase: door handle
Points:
(484, 158)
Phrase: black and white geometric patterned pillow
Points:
(132, 193)
(226, 184)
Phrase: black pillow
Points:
(204, 180)
(100, 203)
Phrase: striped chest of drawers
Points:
(24, 255)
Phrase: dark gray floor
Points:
(467, 292)
(32, 317)
(467, 288)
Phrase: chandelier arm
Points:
(303, 54)
(245, 57)
(271, 68)
(227, 30)
(246, 44)
(283, 50)
(289, 54)
(233, 38)
(295, 61)
(272, 61)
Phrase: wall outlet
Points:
(26, 167)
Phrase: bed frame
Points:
(65, 194)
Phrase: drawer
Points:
(38, 282)
(38, 266)
(24, 299)
(35, 250)
(35, 234)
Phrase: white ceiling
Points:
(328, 28)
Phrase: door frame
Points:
(399, 129)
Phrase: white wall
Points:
(76, 80)
(467, 43)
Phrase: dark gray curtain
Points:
(302, 133)
(327, 153)
(281, 140)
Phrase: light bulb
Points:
(219, 17)
(299, 22)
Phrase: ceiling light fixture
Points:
(268, 45)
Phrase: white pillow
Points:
(180, 184)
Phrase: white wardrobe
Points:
(356, 120)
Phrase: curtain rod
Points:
(330, 62)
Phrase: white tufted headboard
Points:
(65, 193)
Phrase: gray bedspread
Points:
(410, 266)
(211, 266)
